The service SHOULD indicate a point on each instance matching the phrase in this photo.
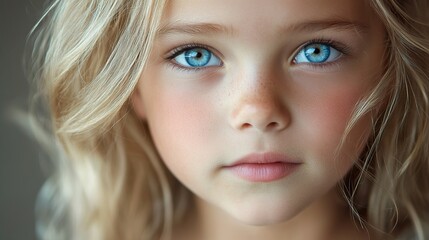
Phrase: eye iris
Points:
(197, 57)
(317, 53)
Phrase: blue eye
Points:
(317, 53)
(196, 57)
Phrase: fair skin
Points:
(258, 93)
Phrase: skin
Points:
(260, 100)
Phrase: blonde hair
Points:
(390, 185)
(108, 181)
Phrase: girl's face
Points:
(247, 100)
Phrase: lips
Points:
(263, 167)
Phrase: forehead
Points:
(259, 14)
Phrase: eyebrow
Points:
(316, 25)
(194, 28)
(305, 26)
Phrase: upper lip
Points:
(264, 158)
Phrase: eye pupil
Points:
(197, 57)
(195, 54)
(317, 53)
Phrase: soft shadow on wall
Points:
(20, 172)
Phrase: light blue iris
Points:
(317, 53)
(197, 57)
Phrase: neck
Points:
(327, 218)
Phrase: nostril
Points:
(272, 125)
(246, 125)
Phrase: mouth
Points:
(263, 167)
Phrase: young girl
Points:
(243, 119)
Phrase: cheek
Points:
(180, 125)
(330, 113)
(325, 118)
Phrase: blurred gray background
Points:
(20, 174)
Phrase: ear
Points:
(137, 104)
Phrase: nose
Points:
(260, 108)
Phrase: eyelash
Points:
(181, 49)
(342, 48)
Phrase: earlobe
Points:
(137, 104)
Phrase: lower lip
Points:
(263, 172)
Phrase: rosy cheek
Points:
(179, 122)
(324, 117)
(334, 110)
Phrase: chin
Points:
(265, 216)
(262, 222)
